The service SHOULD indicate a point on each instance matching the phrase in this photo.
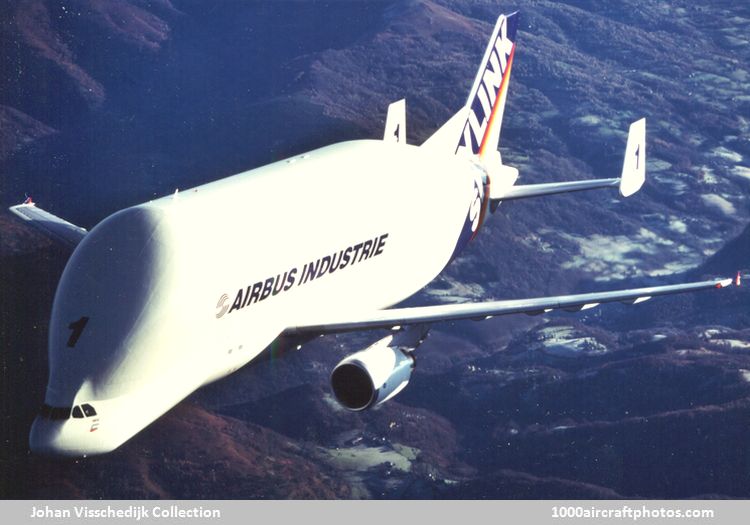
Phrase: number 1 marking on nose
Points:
(77, 327)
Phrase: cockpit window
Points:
(59, 413)
(62, 413)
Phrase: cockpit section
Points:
(64, 413)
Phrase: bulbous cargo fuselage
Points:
(166, 296)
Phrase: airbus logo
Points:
(487, 92)
(222, 306)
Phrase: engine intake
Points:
(376, 374)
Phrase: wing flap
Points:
(397, 317)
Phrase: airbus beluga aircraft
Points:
(143, 314)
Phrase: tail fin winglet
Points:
(395, 123)
(634, 165)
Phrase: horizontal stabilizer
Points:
(552, 188)
(631, 180)
(52, 226)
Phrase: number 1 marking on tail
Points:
(637, 156)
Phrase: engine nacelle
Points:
(378, 373)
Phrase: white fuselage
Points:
(183, 290)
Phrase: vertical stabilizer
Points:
(475, 129)
(486, 102)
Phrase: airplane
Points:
(164, 297)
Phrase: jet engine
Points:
(379, 372)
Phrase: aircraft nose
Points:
(55, 432)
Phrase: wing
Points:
(397, 317)
(51, 225)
